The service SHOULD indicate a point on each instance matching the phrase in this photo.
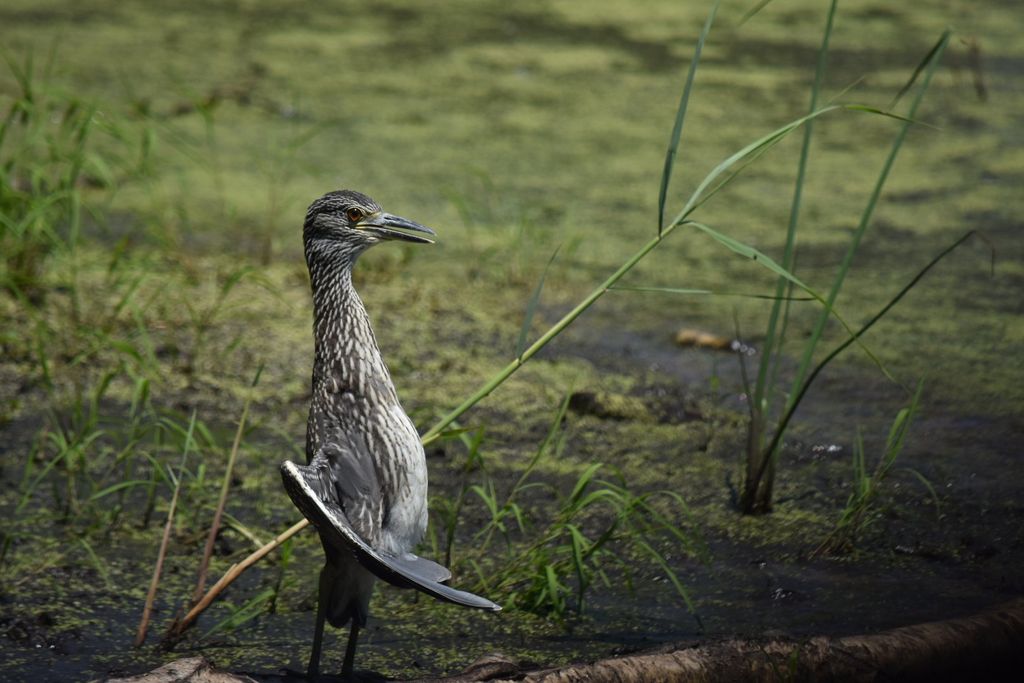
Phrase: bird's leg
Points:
(313, 671)
(350, 650)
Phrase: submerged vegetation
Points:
(155, 308)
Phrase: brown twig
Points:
(211, 538)
(147, 611)
(234, 572)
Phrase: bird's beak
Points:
(389, 227)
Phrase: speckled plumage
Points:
(366, 471)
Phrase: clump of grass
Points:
(43, 139)
(85, 470)
(551, 555)
(762, 444)
(62, 157)
(46, 159)
(767, 462)
(601, 532)
(861, 510)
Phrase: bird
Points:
(364, 484)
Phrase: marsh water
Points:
(513, 131)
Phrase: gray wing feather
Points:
(352, 471)
(348, 477)
(421, 566)
(305, 487)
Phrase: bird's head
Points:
(349, 222)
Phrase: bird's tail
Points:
(407, 571)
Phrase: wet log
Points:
(986, 646)
(187, 670)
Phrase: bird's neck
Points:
(341, 325)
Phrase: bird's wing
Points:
(353, 474)
(304, 487)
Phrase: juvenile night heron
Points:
(364, 486)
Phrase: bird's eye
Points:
(354, 214)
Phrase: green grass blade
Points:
(898, 434)
(865, 220)
(118, 487)
(928, 486)
(706, 292)
(756, 147)
(899, 428)
(771, 346)
(30, 490)
(659, 559)
(531, 306)
(583, 482)
(749, 14)
(754, 255)
(677, 127)
(579, 545)
(861, 481)
(664, 290)
(586, 501)
(932, 56)
(251, 609)
(554, 592)
(549, 438)
(97, 563)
